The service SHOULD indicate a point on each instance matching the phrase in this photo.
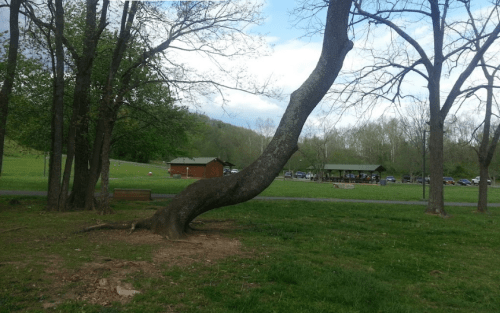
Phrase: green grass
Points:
(297, 257)
(26, 173)
(400, 192)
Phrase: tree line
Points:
(396, 143)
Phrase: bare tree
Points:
(205, 195)
(426, 43)
(488, 142)
(316, 144)
(265, 128)
(8, 82)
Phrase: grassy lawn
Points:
(26, 173)
(292, 256)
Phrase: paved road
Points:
(162, 196)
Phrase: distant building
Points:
(198, 167)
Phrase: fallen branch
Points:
(12, 229)
(131, 225)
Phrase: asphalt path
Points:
(166, 196)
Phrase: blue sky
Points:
(292, 61)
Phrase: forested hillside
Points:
(394, 143)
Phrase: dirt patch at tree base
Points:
(104, 280)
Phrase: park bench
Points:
(132, 194)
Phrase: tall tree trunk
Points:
(82, 159)
(55, 164)
(95, 166)
(8, 83)
(78, 128)
(104, 207)
(482, 202)
(208, 194)
(108, 106)
(488, 144)
(436, 188)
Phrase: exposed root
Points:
(185, 241)
(12, 229)
(131, 225)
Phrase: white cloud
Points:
(288, 65)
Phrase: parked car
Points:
(288, 175)
(390, 179)
(448, 181)
(309, 176)
(464, 182)
(475, 181)
(234, 171)
(300, 174)
(418, 180)
(406, 178)
(227, 171)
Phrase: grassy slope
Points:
(302, 257)
(26, 173)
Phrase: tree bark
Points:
(482, 202)
(103, 207)
(78, 128)
(107, 111)
(436, 192)
(8, 83)
(436, 188)
(55, 164)
(488, 144)
(208, 194)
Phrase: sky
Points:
(291, 61)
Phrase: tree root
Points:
(131, 225)
(12, 229)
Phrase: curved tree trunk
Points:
(208, 194)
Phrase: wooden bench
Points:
(132, 194)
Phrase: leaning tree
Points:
(205, 195)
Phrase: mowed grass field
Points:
(26, 173)
(258, 256)
(273, 256)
